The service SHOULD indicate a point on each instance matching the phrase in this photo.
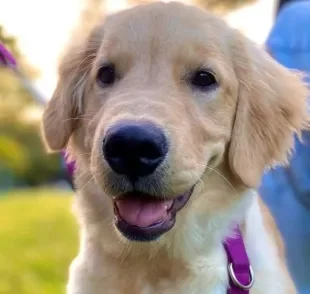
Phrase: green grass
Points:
(38, 240)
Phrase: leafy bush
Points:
(22, 152)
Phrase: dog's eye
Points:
(106, 75)
(203, 79)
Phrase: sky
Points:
(42, 28)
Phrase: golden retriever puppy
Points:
(172, 118)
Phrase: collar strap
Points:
(241, 276)
(6, 58)
(70, 167)
(69, 164)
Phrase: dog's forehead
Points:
(166, 26)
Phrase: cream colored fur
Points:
(222, 139)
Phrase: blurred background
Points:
(38, 234)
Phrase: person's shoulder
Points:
(301, 6)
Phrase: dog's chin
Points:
(142, 217)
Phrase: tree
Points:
(220, 6)
(89, 16)
(22, 157)
(93, 9)
(13, 97)
(223, 6)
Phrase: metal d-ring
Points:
(235, 280)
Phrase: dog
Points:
(172, 117)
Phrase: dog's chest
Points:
(203, 278)
(189, 286)
(193, 286)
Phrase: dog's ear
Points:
(61, 114)
(271, 108)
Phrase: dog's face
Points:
(160, 98)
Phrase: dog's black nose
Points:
(135, 149)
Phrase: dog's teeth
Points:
(166, 207)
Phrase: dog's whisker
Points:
(198, 178)
(83, 173)
(125, 253)
(76, 119)
(86, 153)
(81, 190)
(223, 177)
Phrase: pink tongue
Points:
(143, 213)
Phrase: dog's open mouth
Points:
(142, 217)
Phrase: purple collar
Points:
(241, 276)
(6, 58)
(70, 165)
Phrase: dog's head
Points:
(159, 103)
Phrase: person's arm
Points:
(281, 4)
